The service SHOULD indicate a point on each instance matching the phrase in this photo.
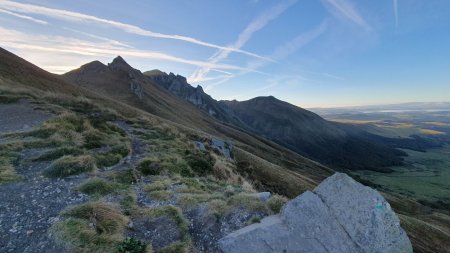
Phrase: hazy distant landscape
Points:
(425, 175)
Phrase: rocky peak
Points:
(93, 67)
(119, 64)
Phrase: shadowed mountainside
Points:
(290, 126)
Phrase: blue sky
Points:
(312, 53)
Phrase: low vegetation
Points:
(131, 245)
(70, 165)
(276, 202)
(98, 187)
(95, 226)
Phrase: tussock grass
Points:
(159, 185)
(92, 227)
(128, 203)
(127, 176)
(248, 202)
(70, 165)
(276, 202)
(7, 158)
(149, 166)
(59, 152)
(98, 187)
(160, 195)
(8, 174)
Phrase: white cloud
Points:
(280, 53)
(42, 44)
(395, 3)
(17, 15)
(346, 9)
(257, 24)
(80, 17)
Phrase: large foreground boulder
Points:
(340, 215)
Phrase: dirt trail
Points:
(20, 116)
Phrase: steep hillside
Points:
(123, 83)
(312, 136)
(292, 127)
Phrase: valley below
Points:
(425, 172)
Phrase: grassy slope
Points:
(270, 165)
(162, 103)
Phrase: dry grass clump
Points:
(8, 174)
(7, 158)
(70, 165)
(276, 202)
(98, 187)
(248, 202)
(92, 227)
(160, 195)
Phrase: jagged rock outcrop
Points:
(134, 75)
(178, 85)
(340, 215)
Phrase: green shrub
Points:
(201, 164)
(131, 245)
(97, 186)
(70, 165)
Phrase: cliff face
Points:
(179, 86)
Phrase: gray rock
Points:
(223, 147)
(263, 196)
(365, 214)
(199, 145)
(340, 216)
